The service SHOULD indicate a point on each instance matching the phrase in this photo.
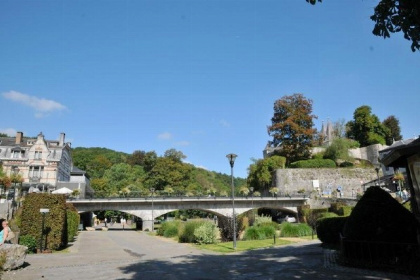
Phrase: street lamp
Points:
(43, 211)
(251, 189)
(153, 208)
(231, 158)
(377, 174)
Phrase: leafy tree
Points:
(393, 124)
(392, 16)
(292, 127)
(339, 149)
(137, 158)
(150, 160)
(260, 173)
(3, 135)
(175, 155)
(366, 127)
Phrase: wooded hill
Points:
(115, 174)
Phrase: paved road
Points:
(136, 255)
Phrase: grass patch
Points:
(242, 245)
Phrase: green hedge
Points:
(28, 241)
(73, 220)
(55, 220)
(169, 229)
(329, 229)
(313, 163)
(263, 231)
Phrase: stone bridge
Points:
(149, 208)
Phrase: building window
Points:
(16, 154)
(36, 171)
(38, 155)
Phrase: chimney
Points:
(61, 140)
(19, 137)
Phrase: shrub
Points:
(329, 229)
(169, 229)
(260, 232)
(55, 220)
(346, 164)
(73, 220)
(295, 230)
(28, 241)
(327, 215)
(187, 234)
(226, 228)
(206, 233)
(336, 207)
(345, 211)
(379, 217)
(259, 220)
(313, 163)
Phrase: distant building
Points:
(43, 164)
(327, 133)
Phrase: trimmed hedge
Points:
(329, 229)
(73, 220)
(313, 163)
(55, 221)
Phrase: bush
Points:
(28, 241)
(259, 220)
(226, 228)
(55, 220)
(265, 231)
(187, 234)
(346, 164)
(379, 217)
(336, 207)
(295, 230)
(345, 211)
(329, 229)
(327, 215)
(206, 233)
(73, 220)
(169, 229)
(313, 163)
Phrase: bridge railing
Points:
(141, 196)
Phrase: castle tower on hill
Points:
(327, 133)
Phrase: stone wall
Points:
(370, 153)
(350, 179)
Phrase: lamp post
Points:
(251, 189)
(153, 208)
(43, 211)
(377, 174)
(231, 158)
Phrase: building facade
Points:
(41, 163)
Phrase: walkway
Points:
(118, 254)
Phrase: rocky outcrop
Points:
(15, 255)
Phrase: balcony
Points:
(34, 179)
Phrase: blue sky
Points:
(198, 76)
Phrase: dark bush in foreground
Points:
(379, 217)
(329, 229)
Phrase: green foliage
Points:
(28, 241)
(260, 232)
(327, 215)
(292, 127)
(169, 229)
(393, 124)
(55, 220)
(379, 217)
(260, 173)
(226, 227)
(294, 230)
(339, 149)
(346, 164)
(187, 234)
(206, 233)
(366, 127)
(313, 163)
(329, 229)
(260, 220)
(73, 220)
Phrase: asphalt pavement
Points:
(128, 254)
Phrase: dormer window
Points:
(38, 154)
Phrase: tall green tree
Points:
(393, 16)
(393, 124)
(366, 127)
(260, 173)
(292, 127)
